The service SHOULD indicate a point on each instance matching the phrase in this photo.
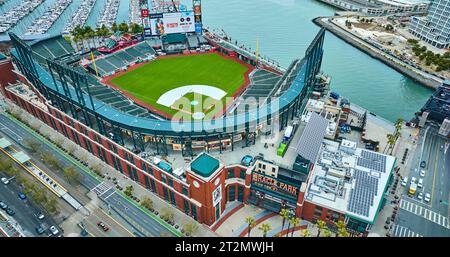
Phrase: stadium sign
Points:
(272, 184)
(170, 23)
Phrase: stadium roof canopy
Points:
(174, 38)
(205, 165)
(308, 145)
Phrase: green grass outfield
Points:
(148, 82)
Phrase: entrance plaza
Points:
(234, 225)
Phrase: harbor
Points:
(43, 23)
(109, 14)
(80, 16)
(10, 18)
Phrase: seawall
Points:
(402, 68)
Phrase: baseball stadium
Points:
(187, 115)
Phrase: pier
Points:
(43, 24)
(10, 18)
(109, 14)
(81, 15)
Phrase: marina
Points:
(80, 17)
(43, 23)
(135, 13)
(109, 14)
(11, 18)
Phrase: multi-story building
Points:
(435, 27)
(381, 7)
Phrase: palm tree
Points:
(390, 141)
(326, 233)
(295, 221)
(321, 225)
(251, 223)
(284, 213)
(306, 233)
(265, 228)
(341, 227)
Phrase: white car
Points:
(427, 197)
(54, 230)
(420, 184)
(420, 196)
(5, 181)
(405, 181)
(413, 180)
(422, 173)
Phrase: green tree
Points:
(341, 227)
(136, 28)
(147, 203)
(250, 223)
(284, 213)
(128, 191)
(321, 225)
(32, 145)
(190, 228)
(123, 27)
(72, 175)
(294, 221)
(265, 228)
(306, 233)
(38, 196)
(326, 233)
(51, 205)
(167, 214)
(114, 27)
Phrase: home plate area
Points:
(194, 100)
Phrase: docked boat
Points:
(80, 16)
(48, 18)
(10, 18)
(109, 13)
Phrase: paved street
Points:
(417, 216)
(134, 215)
(25, 210)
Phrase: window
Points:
(242, 174)
(163, 178)
(147, 183)
(166, 194)
(170, 182)
(185, 191)
(194, 212)
(172, 198)
(231, 173)
(232, 193)
(186, 206)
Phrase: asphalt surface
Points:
(134, 215)
(415, 215)
(25, 210)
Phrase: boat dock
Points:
(10, 18)
(80, 16)
(135, 12)
(109, 14)
(43, 23)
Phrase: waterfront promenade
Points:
(422, 77)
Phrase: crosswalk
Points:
(399, 231)
(104, 190)
(425, 213)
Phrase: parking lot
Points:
(418, 214)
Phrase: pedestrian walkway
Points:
(104, 190)
(425, 213)
(399, 231)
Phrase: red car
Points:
(103, 226)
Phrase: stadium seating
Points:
(117, 60)
(54, 48)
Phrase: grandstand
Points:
(56, 48)
(195, 41)
(122, 59)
